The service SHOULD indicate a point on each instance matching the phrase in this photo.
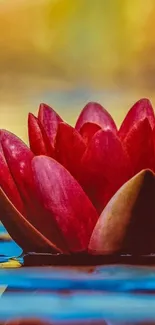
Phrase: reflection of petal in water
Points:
(8, 248)
(44, 322)
(78, 307)
(60, 278)
(27, 322)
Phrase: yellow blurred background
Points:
(67, 52)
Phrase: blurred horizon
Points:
(66, 53)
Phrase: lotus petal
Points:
(95, 113)
(139, 144)
(36, 140)
(7, 183)
(19, 158)
(139, 111)
(88, 130)
(105, 166)
(24, 234)
(69, 148)
(49, 120)
(127, 224)
(63, 197)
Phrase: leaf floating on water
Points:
(5, 237)
(2, 289)
(11, 264)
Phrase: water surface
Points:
(108, 294)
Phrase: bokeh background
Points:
(67, 52)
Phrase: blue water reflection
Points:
(79, 306)
(8, 248)
(60, 279)
(112, 294)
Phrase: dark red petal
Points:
(69, 148)
(88, 130)
(127, 224)
(49, 119)
(28, 321)
(140, 146)
(105, 166)
(63, 197)
(19, 158)
(139, 111)
(37, 143)
(24, 234)
(95, 113)
(8, 185)
(154, 138)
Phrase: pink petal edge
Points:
(138, 112)
(49, 120)
(95, 113)
(139, 144)
(37, 143)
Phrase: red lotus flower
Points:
(52, 194)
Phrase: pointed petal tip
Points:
(35, 134)
(140, 175)
(46, 111)
(42, 107)
(31, 116)
(144, 100)
(138, 112)
(95, 113)
(13, 145)
(123, 226)
(144, 103)
(139, 144)
(94, 104)
(49, 121)
(31, 119)
(4, 132)
(145, 171)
